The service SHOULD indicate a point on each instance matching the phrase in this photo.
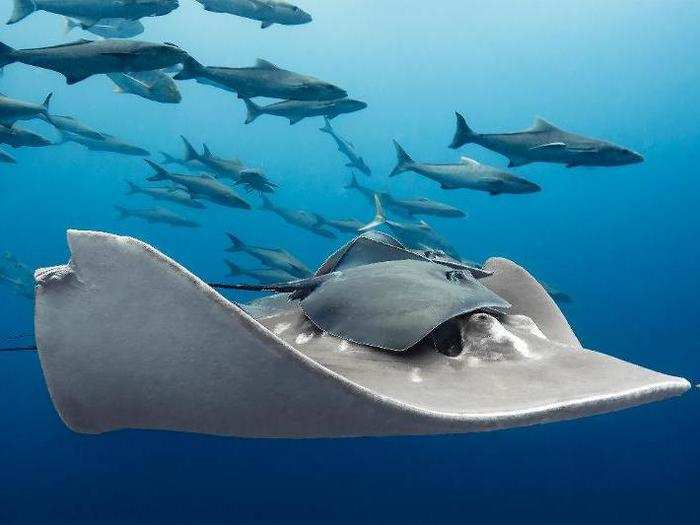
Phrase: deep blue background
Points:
(623, 242)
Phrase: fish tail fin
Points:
(190, 69)
(353, 183)
(207, 151)
(161, 172)
(233, 268)
(327, 128)
(167, 157)
(253, 110)
(190, 152)
(6, 55)
(266, 203)
(22, 9)
(133, 188)
(70, 25)
(463, 134)
(123, 212)
(237, 245)
(45, 105)
(403, 161)
(379, 217)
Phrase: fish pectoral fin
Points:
(514, 162)
(294, 120)
(74, 78)
(549, 146)
(265, 25)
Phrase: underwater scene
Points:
(343, 262)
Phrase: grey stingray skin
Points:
(394, 304)
(545, 142)
(183, 358)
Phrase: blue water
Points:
(623, 242)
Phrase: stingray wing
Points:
(128, 338)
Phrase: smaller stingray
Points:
(377, 293)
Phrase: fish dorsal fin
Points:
(468, 162)
(540, 124)
(261, 63)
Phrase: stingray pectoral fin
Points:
(128, 338)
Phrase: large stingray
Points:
(130, 339)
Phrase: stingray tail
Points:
(190, 152)
(404, 162)
(463, 134)
(299, 288)
(237, 245)
(379, 217)
(254, 111)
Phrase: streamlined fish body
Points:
(262, 275)
(297, 110)
(468, 174)
(201, 187)
(544, 142)
(90, 12)
(224, 168)
(84, 58)
(72, 125)
(157, 215)
(272, 257)
(264, 79)
(346, 147)
(166, 194)
(151, 85)
(12, 110)
(108, 27)
(268, 12)
(108, 144)
(301, 218)
(423, 206)
(21, 138)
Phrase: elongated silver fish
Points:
(157, 215)
(84, 58)
(90, 12)
(544, 142)
(266, 11)
(297, 110)
(108, 144)
(12, 110)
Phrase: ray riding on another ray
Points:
(379, 342)
(467, 174)
(544, 142)
(268, 12)
(264, 79)
(91, 12)
(82, 59)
